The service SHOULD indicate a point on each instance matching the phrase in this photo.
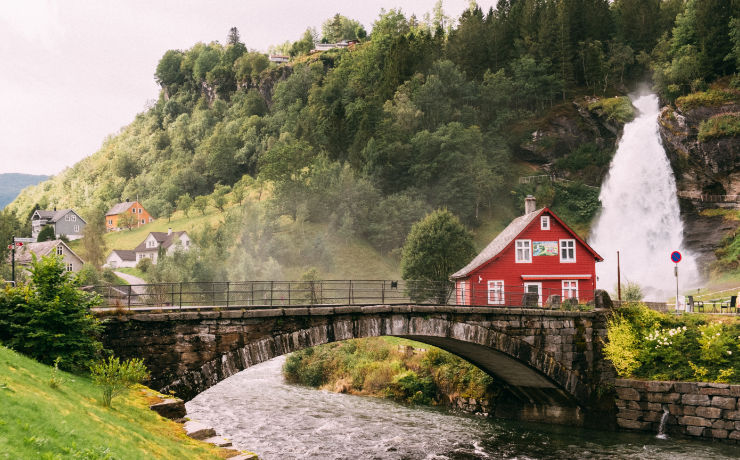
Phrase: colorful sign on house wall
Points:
(545, 248)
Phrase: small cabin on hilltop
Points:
(536, 260)
(139, 215)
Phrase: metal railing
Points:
(550, 178)
(274, 293)
(265, 294)
(709, 198)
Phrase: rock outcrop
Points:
(707, 175)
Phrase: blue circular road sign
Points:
(676, 256)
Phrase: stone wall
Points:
(700, 409)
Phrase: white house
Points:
(120, 258)
(168, 242)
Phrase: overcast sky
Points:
(72, 72)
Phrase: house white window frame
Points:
(539, 290)
(496, 294)
(67, 218)
(70, 267)
(545, 223)
(569, 287)
(523, 245)
(140, 209)
(566, 245)
(143, 222)
(73, 218)
(110, 221)
(461, 290)
(76, 229)
(60, 250)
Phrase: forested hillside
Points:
(358, 143)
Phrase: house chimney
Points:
(530, 204)
(169, 231)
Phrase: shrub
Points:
(618, 109)
(711, 98)
(115, 376)
(144, 264)
(50, 317)
(723, 125)
(621, 349)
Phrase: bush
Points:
(50, 317)
(723, 125)
(144, 264)
(114, 376)
(618, 109)
(711, 98)
(647, 344)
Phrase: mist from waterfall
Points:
(640, 215)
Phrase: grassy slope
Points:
(37, 421)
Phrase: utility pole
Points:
(619, 280)
(12, 259)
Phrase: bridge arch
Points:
(209, 347)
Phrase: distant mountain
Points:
(11, 185)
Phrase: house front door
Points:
(534, 288)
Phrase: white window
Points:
(110, 221)
(60, 251)
(77, 228)
(140, 209)
(66, 217)
(73, 218)
(151, 219)
(496, 292)
(570, 289)
(133, 210)
(545, 223)
(461, 290)
(567, 250)
(69, 267)
(534, 288)
(143, 221)
(523, 251)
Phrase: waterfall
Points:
(640, 216)
(661, 429)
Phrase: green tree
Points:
(341, 28)
(10, 227)
(169, 71)
(219, 197)
(436, 247)
(201, 203)
(92, 240)
(51, 317)
(184, 203)
(128, 220)
(46, 234)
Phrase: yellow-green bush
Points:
(723, 125)
(617, 109)
(711, 98)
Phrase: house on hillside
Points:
(65, 222)
(536, 259)
(24, 254)
(114, 216)
(120, 258)
(166, 242)
(279, 58)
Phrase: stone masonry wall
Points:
(699, 409)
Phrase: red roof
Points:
(507, 237)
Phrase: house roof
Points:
(164, 239)
(119, 208)
(124, 254)
(54, 216)
(23, 255)
(507, 236)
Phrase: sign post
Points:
(676, 258)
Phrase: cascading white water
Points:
(640, 216)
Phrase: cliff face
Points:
(707, 175)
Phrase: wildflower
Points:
(729, 352)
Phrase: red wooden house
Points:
(536, 254)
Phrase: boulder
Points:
(171, 408)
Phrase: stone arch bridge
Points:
(550, 362)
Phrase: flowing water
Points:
(259, 412)
(640, 216)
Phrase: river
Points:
(259, 412)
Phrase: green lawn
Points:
(40, 422)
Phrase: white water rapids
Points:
(640, 216)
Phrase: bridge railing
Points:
(275, 293)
